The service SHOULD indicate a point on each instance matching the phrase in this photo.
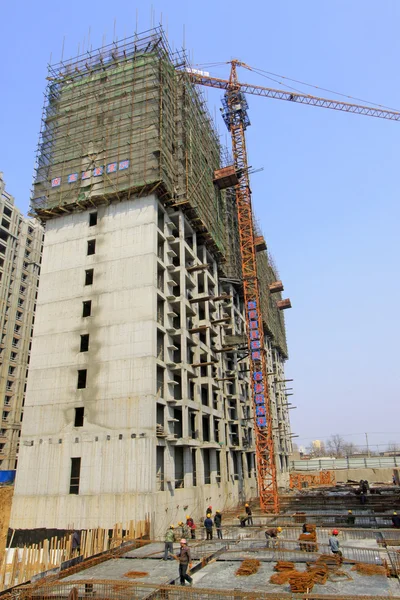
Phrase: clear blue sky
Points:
(327, 198)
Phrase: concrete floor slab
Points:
(223, 576)
(159, 571)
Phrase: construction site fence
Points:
(373, 462)
(113, 590)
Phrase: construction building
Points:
(21, 242)
(139, 403)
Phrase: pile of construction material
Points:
(366, 569)
(301, 583)
(330, 560)
(284, 570)
(248, 567)
(311, 537)
(317, 572)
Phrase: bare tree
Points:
(349, 449)
(393, 447)
(335, 445)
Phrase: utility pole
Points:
(366, 437)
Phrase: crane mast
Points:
(235, 115)
(237, 120)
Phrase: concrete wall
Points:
(118, 441)
(119, 363)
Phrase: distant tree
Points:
(393, 447)
(349, 449)
(335, 445)
(338, 447)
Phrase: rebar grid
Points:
(112, 590)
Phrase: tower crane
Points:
(235, 116)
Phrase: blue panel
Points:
(7, 476)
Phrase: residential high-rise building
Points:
(139, 400)
(20, 255)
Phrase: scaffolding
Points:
(124, 121)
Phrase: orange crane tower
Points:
(236, 118)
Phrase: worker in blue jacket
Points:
(208, 524)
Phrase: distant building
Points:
(20, 255)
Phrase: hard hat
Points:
(188, 516)
(335, 532)
(183, 541)
(217, 511)
(395, 513)
(172, 527)
(208, 514)
(180, 523)
(350, 512)
(238, 516)
(246, 504)
(279, 529)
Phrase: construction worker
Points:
(185, 562)
(396, 520)
(192, 526)
(169, 542)
(334, 543)
(185, 531)
(350, 518)
(249, 514)
(208, 524)
(243, 520)
(218, 524)
(272, 535)
(76, 542)
(209, 510)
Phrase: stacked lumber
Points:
(301, 583)
(366, 569)
(248, 567)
